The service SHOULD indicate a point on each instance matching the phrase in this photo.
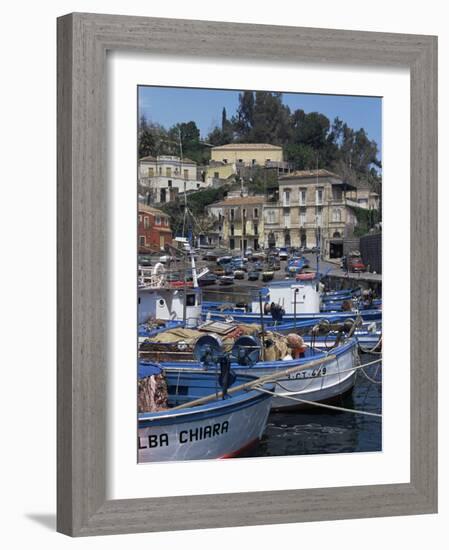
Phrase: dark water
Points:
(320, 431)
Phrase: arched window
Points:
(336, 235)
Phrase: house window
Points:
(336, 215)
(287, 197)
(170, 183)
(150, 172)
(244, 212)
(146, 222)
(142, 240)
(287, 217)
(158, 220)
(270, 216)
(319, 195)
(232, 213)
(253, 162)
(319, 215)
(256, 229)
(302, 215)
(337, 194)
(168, 172)
(256, 212)
(302, 196)
(232, 229)
(140, 219)
(225, 161)
(186, 174)
(160, 170)
(216, 175)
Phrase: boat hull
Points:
(204, 434)
(317, 384)
(244, 317)
(218, 429)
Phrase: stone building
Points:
(240, 221)
(312, 210)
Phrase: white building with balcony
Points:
(313, 210)
(166, 176)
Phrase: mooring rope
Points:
(373, 349)
(290, 395)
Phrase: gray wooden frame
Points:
(83, 40)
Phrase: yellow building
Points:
(218, 172)
(247, 154)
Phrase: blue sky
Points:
(168, 106)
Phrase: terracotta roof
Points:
(150, 209)
(304, 174)
(243, 146)
(237, 201)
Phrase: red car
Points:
(356, 265)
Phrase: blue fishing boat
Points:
(261, 355)
(285, 301)
(220, 428)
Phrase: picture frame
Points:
(83, 41)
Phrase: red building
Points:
(153, 229)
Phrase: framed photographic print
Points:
(247, 233)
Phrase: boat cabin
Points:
(302, 295)
(168, 304)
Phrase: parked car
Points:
(219, 271)
(144, 260)
(355, 264)
(253, 276)
(249, 252)
(283, 254)
(207, 279)
(239, 274)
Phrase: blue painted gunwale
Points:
(215, 409)
(269, 365)
(366, 314)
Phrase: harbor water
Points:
(319, 430)
(322, 431)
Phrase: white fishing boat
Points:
(221, 428)
(160, 297)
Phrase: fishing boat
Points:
(219, 428)
(262, 353)
(285, 301)
(162, 299)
